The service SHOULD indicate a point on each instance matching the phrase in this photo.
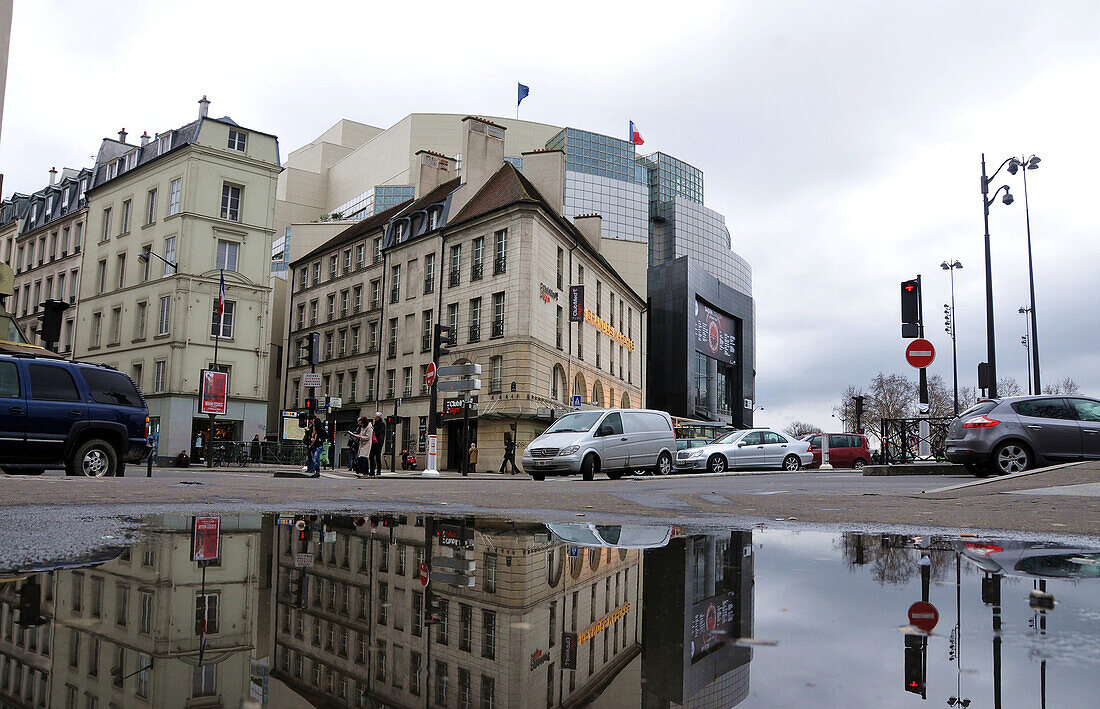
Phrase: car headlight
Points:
(569, 450)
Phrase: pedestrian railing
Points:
(245, 453)
(902, 439)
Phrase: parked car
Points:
(846, 450)
(685, 443)
(611, 536)
(88, 419)
(754, 448)
(615, 442)
(1010, 435)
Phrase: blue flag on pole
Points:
(523, 91)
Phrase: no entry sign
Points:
(924, 616)
(920, 353)
(429, 378)
(423, 573)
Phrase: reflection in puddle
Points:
(407, 611)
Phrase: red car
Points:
(846, 450)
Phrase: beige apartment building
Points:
(490, 254)
(351, 626)
(46, 253)
(166, 219)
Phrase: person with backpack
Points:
(315, 441)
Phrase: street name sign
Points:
(460, 385)
(459, 370)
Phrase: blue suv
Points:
(88, 419)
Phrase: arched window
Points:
(597, 393)
(579, 386)
(611, 397)
(626, 401)
(557, 384)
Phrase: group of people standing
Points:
(366, 445)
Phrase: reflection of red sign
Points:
(423, 573)
(214, 398)
(206, 539)
(923, 615)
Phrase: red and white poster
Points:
(206, 539)
(214, 398)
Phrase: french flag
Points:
(220, 307)
(635, 136)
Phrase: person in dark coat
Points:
(254, 451)
(509, 454)
(374, 463)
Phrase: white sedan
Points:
(753, 448)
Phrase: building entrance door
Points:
(454, 442)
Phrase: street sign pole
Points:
(465, 436)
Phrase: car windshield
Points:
(577, 423)
(730, 437)
(14, 334)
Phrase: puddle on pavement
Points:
(331, 611)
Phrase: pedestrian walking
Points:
(472, 467)
(378, 440)
(362, 439)
(509, 454)
(315, 439)
(254, 449)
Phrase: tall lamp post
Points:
(990, 339)
(1026, 312)
(1031, 163)
(144, 256)
(949, 327)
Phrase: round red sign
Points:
(429, 378)
(423, 574)
(923, 615)
(920, 353)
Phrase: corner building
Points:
(490, 254)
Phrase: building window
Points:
(126, 209)
(151, 206)
(375, 294)
(159, 377)
(344, 299)
(408, 372)
(498, 314)
(392, 345)
(383, 604)
(500, 262)
(380, 664)
(145, 623)
(169, 255)
(360, 255)
(222, 321)
(312, 313)
(488, 692)
(429, 273)
(463, 688)
(441, 681)
(391, 383)
(174, 193)
(377, 250)
(331, 306)
(475, 319)
(417, 614)
(561, 268)
(204, 680)
(347, 261)
(442, 634)
(237, 139)
(343, 343)
(116, 326)
(121, 267)
(231, 202)
(100, 279)
(395, 285)
(357, 299)
(415, 664)
(97, 324)
(456, 265)
(353, 378)
(165, 313)
(142, 688)
(206, 613)
(466, 627)
(316, 272)
(490, 572)
(497, 368)
(227, 255)
(558, 327)
(477, 269)
(426, 331)
(106, 224)
(333, 266)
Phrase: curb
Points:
(1002, 478)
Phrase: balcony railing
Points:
(500, 265)
(395, 294)
(391, 350)
(498, 328)
(429, 284)
(456, 277)
(476, 271)
(425, 343)
(475, 332)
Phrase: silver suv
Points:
(1001, 436)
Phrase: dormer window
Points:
(398, 231)
(237, 140)
(83, 187)
(34, 212)
(65, 198)
(164, 144)
(49, 205)
(433, 219)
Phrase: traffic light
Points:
(910, 308)
(311, 406)
(50, 329)
(444, 338)
(859, 412)
(915, 670)
(311, 348)
(392, 420)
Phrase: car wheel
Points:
(1010, 458)
(95, 459)
(538, 475)
(717, 463)
(792, 462)
(664, 464)
(589, 467)
(860, 462)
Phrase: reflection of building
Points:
(25, 652)
(699, 590)
(142, 611)
(350, 627)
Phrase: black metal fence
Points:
(902, 439)
(244, 453)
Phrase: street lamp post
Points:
(1031, 163)
(1026, 312)
(990, 339)
(950, 266)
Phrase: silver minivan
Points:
(615, 441)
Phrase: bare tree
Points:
(1066, 386)
(889, 396)
(798, 429)
(1007, 386)
(968, 396)
(845, 409)
(941, 399)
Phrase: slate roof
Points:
(68, 185)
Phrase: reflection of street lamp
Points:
(116, 671)
(990, 339)
(950, 328)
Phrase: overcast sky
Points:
(841, 140)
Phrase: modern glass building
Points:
(377, 199)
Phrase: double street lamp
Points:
(949, 327)
(1026, 164)
(990, 338)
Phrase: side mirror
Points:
(606, 430)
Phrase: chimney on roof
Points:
(122, 136)
(546, 171)
(53, 175)
(145, 138)
(204, 107)
(589, 226)
(433, 169)
(482, 156)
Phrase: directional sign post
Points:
(920, 353)
(429, 377)
(460, 385)
(459, 370)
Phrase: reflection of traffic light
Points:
(915, 668)
(436, 609)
